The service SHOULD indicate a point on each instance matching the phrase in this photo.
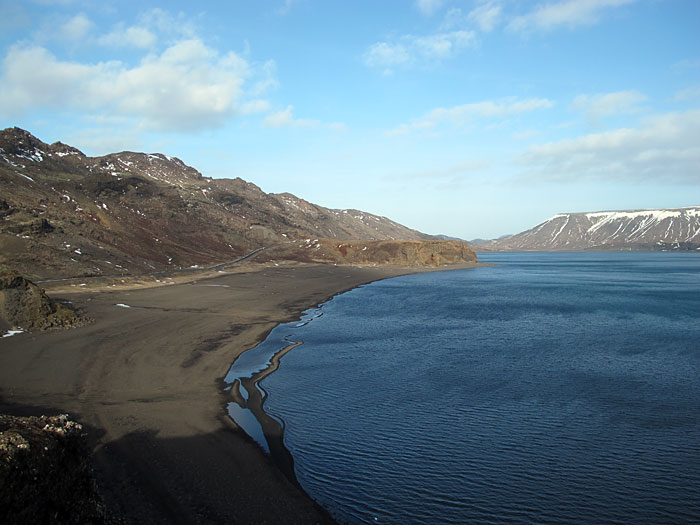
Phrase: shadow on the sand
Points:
(219, 477)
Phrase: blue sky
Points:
(472, 118)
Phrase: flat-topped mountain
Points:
(63, 214)
(663, 229)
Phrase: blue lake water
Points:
(552, 388)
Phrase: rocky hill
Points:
(655, 230)
(399, 253)
(63, 214)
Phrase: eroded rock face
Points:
(45, 472)
(391, 253)
(25, 306)
(410, 253)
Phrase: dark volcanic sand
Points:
(146, 383)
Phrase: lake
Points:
(551, 388)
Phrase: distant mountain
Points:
(656, 230)
(65, 214)
(480, 241)
(448, 238)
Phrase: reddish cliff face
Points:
(425, 253)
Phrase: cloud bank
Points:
(428, 7)
(188, 86)
(662, 149)
(409, 50)
(598, 106)
(568, 13)
(467, 113)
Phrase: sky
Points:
(469, 118)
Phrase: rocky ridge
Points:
(644, 230)
(63, 214)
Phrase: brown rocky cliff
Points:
(420, 253)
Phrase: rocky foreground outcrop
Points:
(25, 306)
(421, 253)
(45, 472)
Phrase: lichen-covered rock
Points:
(25, 306)
(46, 473)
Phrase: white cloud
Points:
(486, 15)
(466, 113)
(76, 28)
(598, 106)
(99, 141)
(409, 49)
(133, 36)
(254, 106)
(691, 93)
(168, 26)
(267, 78)
(188, 86)
(151, 26)
(443, 45)
(286, 119)
(569, 13)
(663, 149)
(386, 56)
(428, 7)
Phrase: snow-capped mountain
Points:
(665, 229)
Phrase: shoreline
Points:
(272, 429)
(146, 383)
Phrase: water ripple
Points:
(557, 388)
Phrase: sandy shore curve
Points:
(146, 381)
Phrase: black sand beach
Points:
(146, 382)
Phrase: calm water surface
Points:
(553, 388)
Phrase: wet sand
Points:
(146, 382)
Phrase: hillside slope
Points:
(663, 229)
(65, 214)
(430, 253)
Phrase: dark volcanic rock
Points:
(23, 305)
(46, 473)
